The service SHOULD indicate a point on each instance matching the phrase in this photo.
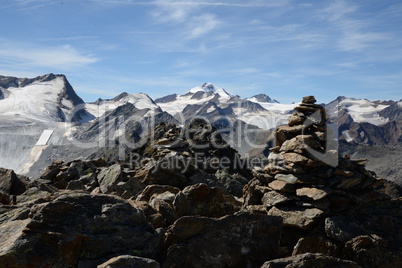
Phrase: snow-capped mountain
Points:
(42, 119)
(219, 106)
(262, 98)
(48, 98)
(365, 121)
(360, 110)
(140, 101)
(175, 104)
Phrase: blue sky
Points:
(285, 49)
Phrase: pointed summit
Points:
(262, 98)
(208, 87)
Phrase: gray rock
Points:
(300, 143)
(371, 251)
(273, 198)
(74, 229)
(239, 240)
(128, 261)
(282, 186)
(202, 200)
(10, 183)
(109, 177)
(295, 158)
(298, 217)
(310, 260)
(341, 228)
(313, 244)
(314, 193)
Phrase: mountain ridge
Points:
(240, 120)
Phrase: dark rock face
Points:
(240, 240)
(76, 229)
(11, 184)
(167, 98)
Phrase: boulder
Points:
(341, 228)
(282, 186)
(309, 99)
(202, 200)
(315, 260)
(300, 144)
(296, 119)
(370, 251)
(239, 240)
(273, 198)
(313, 193)
(156, 189)
(315, 244)
(169, 170)
(128, 261)
(11, 184)
(295, 158)
(298, 217)
(109, 177)
(75, 229)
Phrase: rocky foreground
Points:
(186, 199)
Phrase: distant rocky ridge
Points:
(183, 200)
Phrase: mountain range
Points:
(43, 119)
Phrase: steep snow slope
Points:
(140, 101)
(48, 98)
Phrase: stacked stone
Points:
(301, 188)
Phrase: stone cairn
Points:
(304, 190)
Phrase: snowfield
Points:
(364, 111)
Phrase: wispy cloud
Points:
(64, 57)
(338, 9)
(194, 3)
(202, 25)
(23, 4)
(355, 34)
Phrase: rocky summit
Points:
(187, 199)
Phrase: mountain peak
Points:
(209, 87)
(262, 98)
